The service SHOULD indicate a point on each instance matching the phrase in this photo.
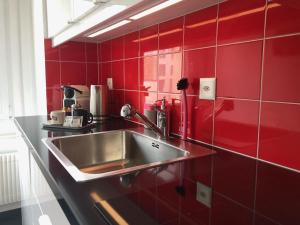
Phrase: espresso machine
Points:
(76, 94)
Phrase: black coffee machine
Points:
(76, 94)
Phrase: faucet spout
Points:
(128, 111)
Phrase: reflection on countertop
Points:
(244, 190)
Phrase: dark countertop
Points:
(81, 197)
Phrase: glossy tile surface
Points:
(236, 125)
(54, 99)
(200, 28)
(117, 48)
(73, 73)
(131, 45)
(117, 68)
(131, 74)
(198, 64)
(91, 74)
(105, 51)
(169, 72)
(91, 52)
(116, 101)
(105, 72)
(171, 36)
(200, 119)
(72, 51)
(148, 73)
(280, 134)
(146, 99)
(283, 17)
(239, 70)
(50, 53)
(149, 41)
(281, 69)
(53, 73)
(241, 20)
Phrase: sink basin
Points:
(103, 154)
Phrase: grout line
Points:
(240, 99)
(241, 42)
(282, 36)
(278, 102)
(214, 107)
(259, 109)
(199, 48)
(86, 69)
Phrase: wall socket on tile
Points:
(204, 194)
(207, 88)
(110, 83)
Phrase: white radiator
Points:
(9, 178)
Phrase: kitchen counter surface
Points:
(115, 197)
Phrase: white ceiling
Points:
(179, 9)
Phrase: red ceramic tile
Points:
(277, 195)
(200, 28)
(105, 51)
(72, 51)
(283, 17)
(239, 69)
(234, 177)
(175, 111)
(281, 69)
(169, 72)
(131, 74)
(280, 134)
(91, 52)
(118, 74)
(226, 212)
(73, 73)
(171, 35)
(200, 119)
(198, 64)
(131, 45)
(198, 170)
(52, 73)
(148, 98)
(149, 41)
(193, 211)
(148, 73)
(117, 48)
(50, 53)
(116, 101)
(105, 72)
(99, 53)
(54, 99)
(92, 73)
(241, 20)
(236, 125)
(132, 98)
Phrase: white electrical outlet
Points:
(203, 194)
(207, 88)
(110, 83)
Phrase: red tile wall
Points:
(251, 47)
(70, 63)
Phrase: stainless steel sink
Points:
(98, 155)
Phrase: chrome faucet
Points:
(162, 127)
